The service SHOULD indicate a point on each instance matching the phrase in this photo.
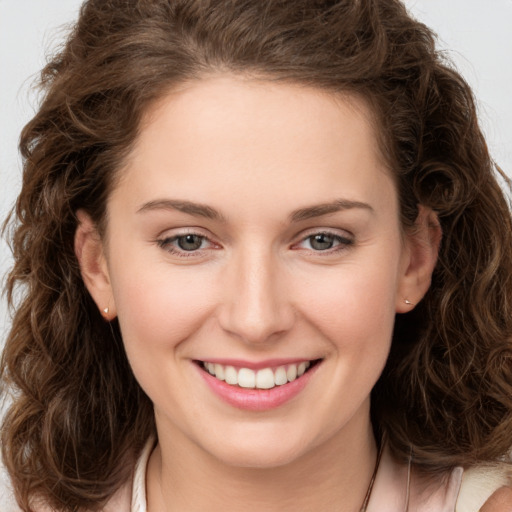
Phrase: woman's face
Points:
(255, 227)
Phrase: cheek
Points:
(159, 306)
(158, 312)
(354, 305)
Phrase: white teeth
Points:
(266, 378)
(231, 375)
(246, 378)
(291, 373)
(280, 377)
(219, 371)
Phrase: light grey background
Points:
(477, 33)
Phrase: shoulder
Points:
(482, 488)
(486, 488)
(500, 501)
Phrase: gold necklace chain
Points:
(366, 500)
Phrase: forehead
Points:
(228, 99)
(228, 137)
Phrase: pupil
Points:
(190, 242)
(321, 242)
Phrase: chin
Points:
(261, 459)
(259, 452)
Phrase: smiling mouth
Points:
(264, 378)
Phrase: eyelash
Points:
(343, 243)
(166, 244)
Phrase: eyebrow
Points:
(327, 208)
(202, 210)
(188, 207)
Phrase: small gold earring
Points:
(409, 303)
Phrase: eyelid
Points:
(183, 231)
(337, 232)
(344, 238)
(166, 239)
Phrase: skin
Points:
(257, 288)
(500, 501)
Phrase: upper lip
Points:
(257, 365)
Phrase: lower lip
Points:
(257, 399)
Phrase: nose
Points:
(256, 307)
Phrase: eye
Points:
(325, 241)
(186, 244)
(321, 241)
(190, 242)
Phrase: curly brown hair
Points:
(78, 417)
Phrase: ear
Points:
(420, 257)
(89, 251)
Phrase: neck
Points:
(333, 476)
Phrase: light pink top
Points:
(397, 488)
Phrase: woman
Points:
(242, 224)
